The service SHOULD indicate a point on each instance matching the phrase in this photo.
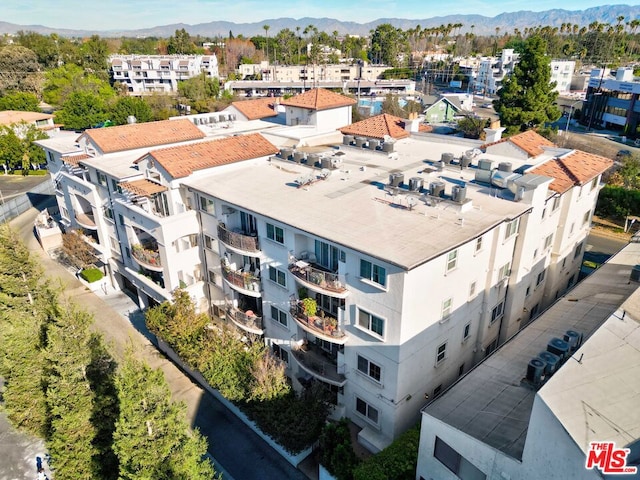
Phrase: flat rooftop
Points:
(354, 208)
(492, 403)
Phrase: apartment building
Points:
(382, 267)
(533, 409)
(311, 73)
(146, 74)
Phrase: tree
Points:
(11, 148)
(200, 92)
(472, 126)
(526, 99)
(94, 53)
(61, 82)
(181, 43)
(81, 110)
(389, 46)
(126, 106)
(266, 32)
(152, 439)
(22, 101)
(19, 70)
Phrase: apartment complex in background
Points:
(146, 74)
(374, 259)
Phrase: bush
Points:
(91, 275)
(618, 202)
(29, 172)
(336, 451)
(396, 462)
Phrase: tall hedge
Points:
(396, 462)
(618, 202)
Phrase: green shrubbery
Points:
(396, 462)
(618, 202)
(25, 173)
(336, 451)
(91, 275)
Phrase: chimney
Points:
(412, 124)
(494, 132)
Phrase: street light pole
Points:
(566, 128)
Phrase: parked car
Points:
(623, 154)
(487, 105)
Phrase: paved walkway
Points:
(244, 455)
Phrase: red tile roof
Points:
(183, 160)
(575, 168)
(256, 108)
(529, 141)
(141, 135)
(143, 187)
(74, 159)
(319, 99)
(378, 127)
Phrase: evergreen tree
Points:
(526, 99)
(152, 439)
(126, 106)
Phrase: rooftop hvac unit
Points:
(552, 362)
(440, 166)
(387, 147)
(373, 144)
(285, 153)
(573, 338)
(505, 167)
(436, 189)
(459, 193)
(313, 158)
(502, 179)
(415, 183)
(485, 164)
(483, 176)
(396, 179)
(447, 157)
(347, 140)
(298, 156)
(325, 162)
(635, 274)
(361, 142)
(558, 347)
(535, 369)
(466, 159)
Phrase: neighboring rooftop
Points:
(573, 168)
(142, 135)
(379, 126)
(183, 160)
(530, 142)
(10, 117)
(256, 108)
(318, 99)
(493, 404)
(143, 187)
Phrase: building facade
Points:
(382, 267)
(146, 74)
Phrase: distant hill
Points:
(506, 22)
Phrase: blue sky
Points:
(131, 14)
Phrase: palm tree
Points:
(298, 42)
(266, 31)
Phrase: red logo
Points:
(608, 458)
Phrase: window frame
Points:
(367, 414)
(479, 242)
(275, 233)
(277, 275)
(369, 369)
(466, 332)
(452, 261)
(369, 327)
(511, 228)
(279, 316)
(441, 353)
(497, 312)
(373, 273)
(206, 205)
(447, 309)
(548, 242)
(540, 277)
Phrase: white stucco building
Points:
(511, 418)
(422, 253)
(145, 74)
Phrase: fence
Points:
(20, 204)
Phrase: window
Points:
(556, 203)
(548, 241)
(206, 205)
(452, 260)
(275, 233)
(369, 368)
(328, 255)
(594, 183)
(208, 242)
(478, 244)
(437, 390)
(102, 179)
(108, 212)
(366, 410)
(573, 225)
(466, 333)
(586, 217)
(127, 252)
(497, 311)
(447, 305)
(279, 316)
(281, 353)
(211, 276)
(528, 291)
(504, 271)
(540, 278)
(120, 219)
(371, 322)
(278, 276)
(50, 157)
(115, 186)
(472, 289)
(544, 213)
(578, 250)
(511, 228)
(373, 272)
(535, 254)
(455, 462)
(441, 353)
(460, 370)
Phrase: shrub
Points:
(336, 451)
(618, 202)
(396, 462)
(24, 173)
(91, 275)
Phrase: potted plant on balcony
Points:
(310, 307)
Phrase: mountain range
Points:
(481, 25)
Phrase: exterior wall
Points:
(562, 73)
(310, 73)
(441, 111)
(324, 120)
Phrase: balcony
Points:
(325, 328)
(318, 362)
(247, 321)
(243, 282)
(318, 279)
(86, 220)
(148, 258)
(238, 241)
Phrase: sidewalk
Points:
(117, 317)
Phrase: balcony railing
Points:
(147, 257)
(245, 282)
(238, 240)
(245, 320)
(319, 280)
(86, 220)
(326, 328)
(318, 363)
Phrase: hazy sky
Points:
(131, 14)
